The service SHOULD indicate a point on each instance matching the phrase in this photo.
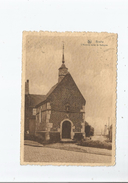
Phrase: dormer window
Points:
(67, 107)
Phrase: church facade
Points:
(61, 113)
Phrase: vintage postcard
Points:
(68, 113)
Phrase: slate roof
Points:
(53, 88)
(35, 99)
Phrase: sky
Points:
(90, 59)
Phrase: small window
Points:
(67, 107)
(34, 111)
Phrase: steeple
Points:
(62, 70)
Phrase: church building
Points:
(61, 113)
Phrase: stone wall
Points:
(65, 102)
(67, 94)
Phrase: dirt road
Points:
(46, 154)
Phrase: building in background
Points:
(31, 100)
(110, 133)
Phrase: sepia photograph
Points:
(68, 112)
(64, 91)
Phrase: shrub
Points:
(97, 144)
(29, 137)
(54, 137)
(39, 138)
(78, 136)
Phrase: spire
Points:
(63, 54)
(63, 70)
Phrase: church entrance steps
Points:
(67, 141)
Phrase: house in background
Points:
(110, 133)
(31, 100)
(60, 114)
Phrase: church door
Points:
(66, 130)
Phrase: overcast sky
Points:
(92, 68)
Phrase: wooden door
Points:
(66, 130)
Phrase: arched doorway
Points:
(66, 130)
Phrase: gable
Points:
(34, 99)
(66, 89)
(66, 83)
